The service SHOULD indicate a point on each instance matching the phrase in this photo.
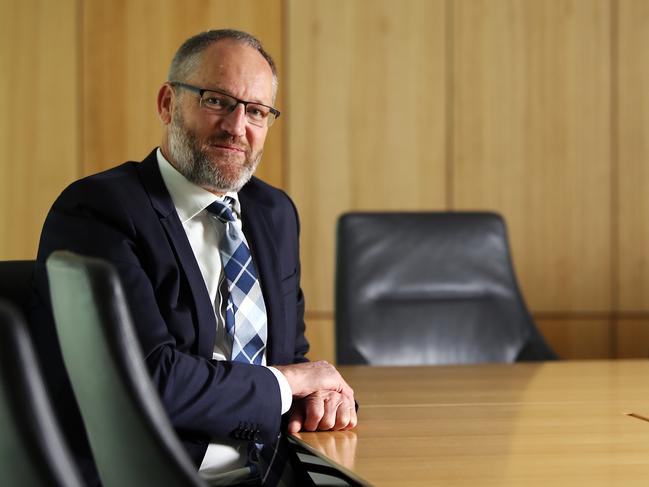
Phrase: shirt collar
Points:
(189, 199)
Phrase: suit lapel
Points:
(162, 203)
(257, 227)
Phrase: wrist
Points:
(286, 393)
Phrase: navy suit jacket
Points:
(126, 216)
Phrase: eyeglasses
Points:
(222, 104)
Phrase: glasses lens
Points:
(218, 102)
(258, 114)
(222, 104)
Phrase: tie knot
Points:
(222, 210)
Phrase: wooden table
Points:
(549, 424)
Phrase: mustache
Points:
(227, 139)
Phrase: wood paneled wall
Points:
(127, 48)
(39, 116)
(532, 140)
(535, 109)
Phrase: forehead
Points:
(237, 68)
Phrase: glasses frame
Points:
(201, 91)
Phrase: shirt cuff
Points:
(284, 389)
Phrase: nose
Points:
(234, 122)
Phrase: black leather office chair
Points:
(32, 450)
(15, 281)
(132, 440)
(429, 288)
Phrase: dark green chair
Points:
(32, 450)
(130, 434)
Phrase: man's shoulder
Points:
(117, 174)
(271, 201)
(256, 185)
(124, 180)
(261, 191)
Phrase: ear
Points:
(166, 99)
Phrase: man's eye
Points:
(257, 111)
(213, 101)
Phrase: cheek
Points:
(202, 135)
(199, 127)
(256, 139)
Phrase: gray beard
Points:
(193, 163)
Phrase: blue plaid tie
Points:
(245, 316)
(246, 323)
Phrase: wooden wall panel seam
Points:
(284, 80)
(614, 168)
(449, 125)
(81, 86)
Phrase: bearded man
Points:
(221, 352)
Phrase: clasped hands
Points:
(322, 400)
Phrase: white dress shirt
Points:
(204, 233)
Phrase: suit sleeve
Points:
(301, 343)
(203, 397)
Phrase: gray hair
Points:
(188, 56)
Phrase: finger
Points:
(348, 418)
(332, 402)
(296, 419)
(313, 411)
(353, 417)
(343, 416)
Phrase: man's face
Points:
(219, 152)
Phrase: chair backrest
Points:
(32, 450)
(130, 434)
(429, 288)
(15, 281)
